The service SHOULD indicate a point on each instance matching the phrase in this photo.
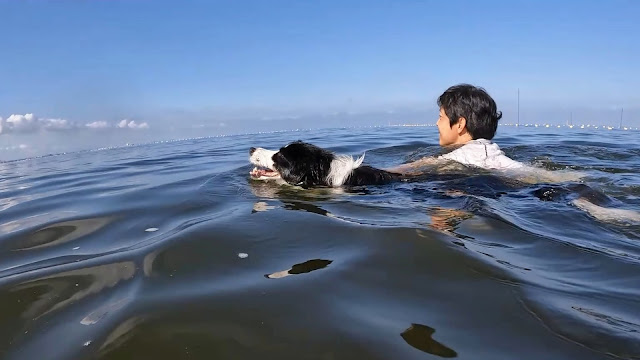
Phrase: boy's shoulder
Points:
(482, 153)
(472, 148)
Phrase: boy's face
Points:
(448, 133)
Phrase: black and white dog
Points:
(307, 165)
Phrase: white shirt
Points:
(482, 153)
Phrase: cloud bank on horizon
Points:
(30, 123)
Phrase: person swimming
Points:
(468, 121)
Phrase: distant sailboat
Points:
(518, 106)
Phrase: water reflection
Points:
(104, 311)
(58, 233)
(271, 190)
(292, 198)
(34, 220)
(261, 206)
(120, 334)
(302, 206)
(61, 290)
(448, 220)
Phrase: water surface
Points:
(170, 251)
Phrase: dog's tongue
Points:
(262, 172)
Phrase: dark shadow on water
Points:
(419, 336)
(298, 205)
(302, 268)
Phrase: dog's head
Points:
(263, 160)
(303, 164)
(298, 163)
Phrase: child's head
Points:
(466, 113)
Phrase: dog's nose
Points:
(252, 150)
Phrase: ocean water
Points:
(170, 251)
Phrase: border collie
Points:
(307, 165)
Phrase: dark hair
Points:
(475, 105)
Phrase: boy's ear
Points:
(461, 124)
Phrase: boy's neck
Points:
(463, 139)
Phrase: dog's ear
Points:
(292, 143)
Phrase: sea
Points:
(169, 250)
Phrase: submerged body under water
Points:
(171, 251)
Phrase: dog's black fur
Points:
(307, 165)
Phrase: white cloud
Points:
(22, 123)
(143, 125)
(132, 124)
(57, 124)
(29, 123)
(98, 125)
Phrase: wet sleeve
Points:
(455, 155)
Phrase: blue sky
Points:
(193, 62)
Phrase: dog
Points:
(306, 165)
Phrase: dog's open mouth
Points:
(263, 173)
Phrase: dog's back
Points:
(367, 175)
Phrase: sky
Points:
(174, 69)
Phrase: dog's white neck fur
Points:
(263, 157)
(341, 167)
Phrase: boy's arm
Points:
(413, 166)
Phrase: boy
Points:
(468, 117)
